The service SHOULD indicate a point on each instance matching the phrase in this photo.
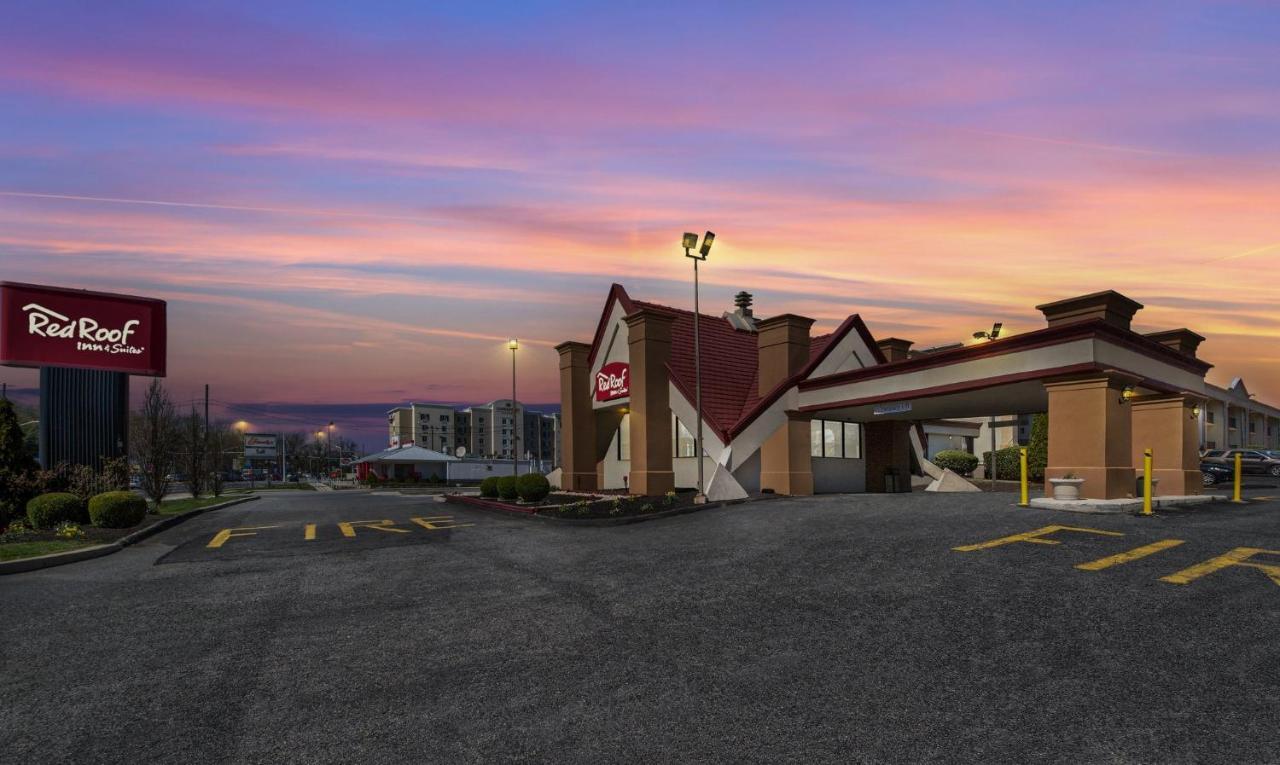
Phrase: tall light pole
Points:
(513, 345)
(328, 444)
(991, 425)
(690, 241)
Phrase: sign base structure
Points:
(84, 416)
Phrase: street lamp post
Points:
(514, 345)
(991, 425)
(328, 445)
(689, 242)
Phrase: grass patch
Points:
(176, 506)
(16, 550)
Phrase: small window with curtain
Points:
(686, 444)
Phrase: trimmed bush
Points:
(48, 510)
(489, 487)
(956, 461)
(507, 487)
(117, 510)
(1008, 463)
(1038, 448)
(533, 487)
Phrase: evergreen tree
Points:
(14, 457)
(1038, 448)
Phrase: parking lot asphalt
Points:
(835, 628)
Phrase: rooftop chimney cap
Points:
(742, 301)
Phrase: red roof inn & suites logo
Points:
(57, 327)
(613, 381)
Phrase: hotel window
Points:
(686, 444)
(624, 438)
(829, 438)
(1209, 416)
(1231, 422)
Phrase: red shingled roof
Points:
(730, 377)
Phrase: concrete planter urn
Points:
(1066, 488)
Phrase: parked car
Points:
(1252, 461)
(1216, 472)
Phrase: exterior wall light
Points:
(1195, 412)
(1127, 394)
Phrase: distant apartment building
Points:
(498, 429)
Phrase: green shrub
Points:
(1008, 464)
(489, 487)
(533, 487)
(117, 510)
(955, 460)
(1038, 447)
(507, 487)
(48, 510)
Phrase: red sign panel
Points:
(57, 327)
(613, 381)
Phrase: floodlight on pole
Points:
(513, 345)
(689, 241)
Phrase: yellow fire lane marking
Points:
(349, 527)
(309, 532)
(221, 537)
(1132, 555)
(1034, 537)
(436, 522)
(1237, 557)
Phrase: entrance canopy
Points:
(1005, 376)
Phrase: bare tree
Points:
(156, 441)
(221, 440)
(193, 454)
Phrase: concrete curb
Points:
(622, 521)
(1127, 506)
(97, 551)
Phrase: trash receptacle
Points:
(891, 480)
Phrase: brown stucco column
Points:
(649, 345)
(887, 446)
(1090, 435)
(1165, 425)
(577, 420)
(786, 465)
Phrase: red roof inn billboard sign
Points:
(613, 381)
(57, 327)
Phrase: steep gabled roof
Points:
(730, 357)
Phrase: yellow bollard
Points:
(1146, 482)
(1235, 495)
(1022, 463)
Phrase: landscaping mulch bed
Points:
(616, 506)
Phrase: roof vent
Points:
(741, 317)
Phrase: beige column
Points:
(888, 447)
(786, 466)
(1165, 425)
(649, 344)
(577, 419)
(1090, 435)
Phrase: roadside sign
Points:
(260, 445)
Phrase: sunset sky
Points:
(357, 203)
